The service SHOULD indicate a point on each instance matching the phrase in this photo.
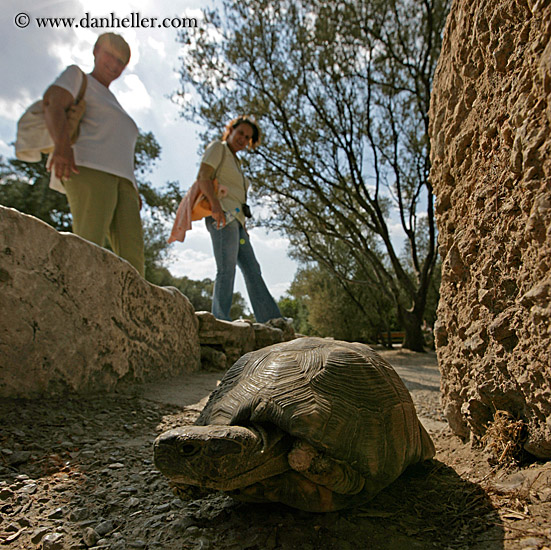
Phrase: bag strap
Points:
(82, 90)
(236, 163)
(222, 160)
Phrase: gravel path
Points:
(78, 473)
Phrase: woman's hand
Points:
(218, 215)
(63, 161)
(206, 184)
(56, 102)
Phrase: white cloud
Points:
(260, 237)
(76, 51)
(12, 109)
(5, 149)
(194, 264)
(133, 95)
(279, 289)
(157, 46)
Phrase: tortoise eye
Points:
(188, 449)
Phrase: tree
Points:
(25, 187)
(295, 308)
(325, 307)
(342, 93)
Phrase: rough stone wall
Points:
(76, 318)
(491, 172)
(224, 342)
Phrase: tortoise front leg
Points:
(335, 475)
(292, 489)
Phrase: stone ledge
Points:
(223, 342)
(76, 318)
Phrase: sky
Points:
(31, 57)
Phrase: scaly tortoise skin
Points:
(316, 424)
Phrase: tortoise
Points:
(316, 424)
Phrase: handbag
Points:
(33, 137)
(201, 207)
(194, 206)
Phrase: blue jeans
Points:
(231, 246)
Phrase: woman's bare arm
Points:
(56, 101)
(205, 178)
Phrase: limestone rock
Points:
(490, 127)
(224, 341)
(286, 327)
(266, 335)
(232, 338)
(213, 359)
(77, 318)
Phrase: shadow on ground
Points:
(429, 507)
(80, 472)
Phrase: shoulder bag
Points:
(33, 137)
(201, 207)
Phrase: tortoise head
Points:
(221, 457)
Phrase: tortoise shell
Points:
(340, 397)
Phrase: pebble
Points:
(133, 502)
(137, 544)
(18, 457)
(6, 494)
(105, 527)
(38, 535)
(90, 536)
(128, 490)
(52, 541)
(23, 521)
(163, 508)
(29, 489)
(56, 514)
(78, 514)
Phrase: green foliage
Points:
(146, 153)
(199, 293)
(25, 187)
(325, 307)
(296, 308)
(342, 94)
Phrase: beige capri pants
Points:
(103, 207)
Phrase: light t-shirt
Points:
(230, 175)
(107, 135)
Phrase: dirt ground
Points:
(77, 473)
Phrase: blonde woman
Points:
(98, 171)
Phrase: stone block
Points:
(77, 318)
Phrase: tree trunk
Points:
(412, 322)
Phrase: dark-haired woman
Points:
(230, 241)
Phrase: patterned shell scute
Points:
(341, 397)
